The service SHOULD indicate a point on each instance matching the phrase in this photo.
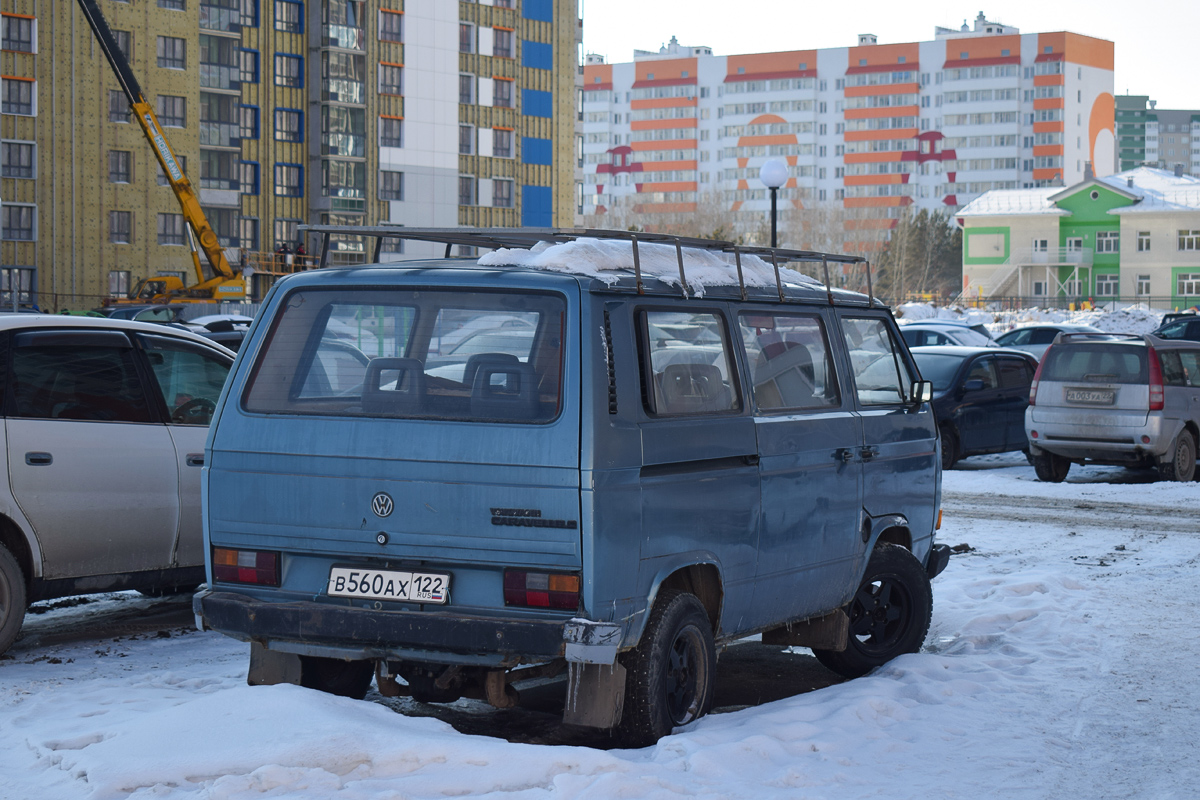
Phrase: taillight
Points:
(1037, 376)
(541, 589)
(245, 566)
(1156, 380)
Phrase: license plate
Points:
(1095, 397)
(401, 587)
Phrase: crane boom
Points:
(225, 283)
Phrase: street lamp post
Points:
(773, 174)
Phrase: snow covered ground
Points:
(1061, 664)
(1112, 318)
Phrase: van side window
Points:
(881, 376)
(690, 371)
(790, 365)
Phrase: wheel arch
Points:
(23, 548)
(891, 529)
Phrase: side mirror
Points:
(921, 391)
(973, 385)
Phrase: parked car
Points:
(979, 398)
(104, 429)
(224, 332)
(1034, 339)
(146, 312)
(1179, 326)
(932, 332)
(594, 501)
(1115, 399)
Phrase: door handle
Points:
(39, 459)
(194, 459)
(868, 453)
(751, 460)
(844, 454)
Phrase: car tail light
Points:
(1037, 377)
(541, 589)
(1156, 380)
(1033, 434)
(245, 566)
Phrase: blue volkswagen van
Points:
(449, 477)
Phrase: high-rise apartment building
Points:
(871, 128)
(1153, 137)
(283, 112)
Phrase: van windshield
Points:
(457, 355)
(1096, 363)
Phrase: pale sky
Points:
(1156, 55)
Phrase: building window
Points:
(161, 177)
(289, 16)
(248, 180)
(1143, 241)
(466, 190)
(466, 89)
(118, 106)
(170, 229)
(18, 96)
(18, 34)
(1108, 242)
(509, 4)
(289, 180)
(391, 185)
(502, 194)
(502, 143)
(502, 43)
(502, 93)
(172, 52)
(248, 122)
(285, 231)
(172, 111)
(120, 227)
(289, 71)
(174, 5)
(124, 43)
(224, 224)
(20, 223)
(1189, 240)
(1075, 244)
(1107, 285)
(248, 233)
(219, 170)
(391, 26)
(466, 140)
(18, 160)
(118, 282)
(466, 38)
(391, 132)
(1188, 283)
(23, 277)
(289, 125)
(249, 66)
(391, 79)
(1143, 286)
(119, 168)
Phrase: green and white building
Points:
(1133, 236)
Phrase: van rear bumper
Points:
(309, 628)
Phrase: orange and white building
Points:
(875, 126)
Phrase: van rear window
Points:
(1096, 363)
(456, 355)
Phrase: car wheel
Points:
(1050, 467)
(335, 676)
(671, 673)
(1182, 466)
(889, 615)
(13, 599)
(949, 447)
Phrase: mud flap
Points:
(830, 632)
(595, 695)
(268, 668)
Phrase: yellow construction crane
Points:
(226, 284)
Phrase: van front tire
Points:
(671, 673)
(1050, 467)
(889, 615)
(13, 599)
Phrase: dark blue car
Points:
(979, 398)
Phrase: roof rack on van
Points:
(496, 238)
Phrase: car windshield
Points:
(457, 355)
(1096, 363)
(938, 367)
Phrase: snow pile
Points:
(603, 258)
(924, 311)
(1113, 319)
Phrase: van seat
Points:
(471, 369)
(693, 388)
(405, 396)
(504, 389)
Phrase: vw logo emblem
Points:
(382, 505)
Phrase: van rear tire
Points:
(671, 673)
(13, 599)
(1182, 465)
(1050, 468)
(335, 676)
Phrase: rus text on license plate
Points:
(403, 587)
(1095, 397)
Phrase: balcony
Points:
(219, 134)
(1055, 255)
(347, 204)
(343, 36)
(341, 90)
(220, 76)
(344, 144)
(223, 20)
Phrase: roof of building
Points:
(1002, 202)
(1152, 190)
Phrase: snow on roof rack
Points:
(525, 238)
